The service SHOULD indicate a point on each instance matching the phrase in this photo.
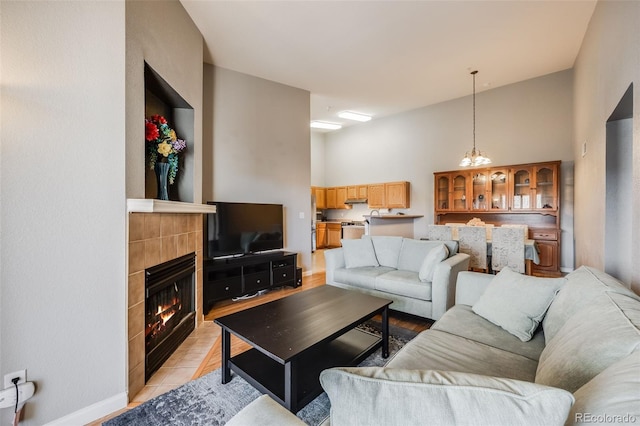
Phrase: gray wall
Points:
(260, 149)
(608, 62)
(62, 208)
(530, 121)
(162, 34)
(72, 152)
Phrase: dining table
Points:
(531, 254)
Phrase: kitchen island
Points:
(391, 224)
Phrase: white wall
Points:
(62, 203)
(530, 121)
(260, 149)
(317, 156)
(608, 62)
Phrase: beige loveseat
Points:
(419, 276)
(581, 365)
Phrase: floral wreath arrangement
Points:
(163, 145)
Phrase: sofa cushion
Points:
(517, 302)
(403, 283)
(612, 394)
(364, 277)
(437, 350)
(581, 292)
(358, 253)
(590, 341)
(428, 267)
(413, 252)
(374, 395)
(461, 321)
(387, 249)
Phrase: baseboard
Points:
(307, 273)
(93, 412)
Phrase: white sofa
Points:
(580, 366)
(419, 276)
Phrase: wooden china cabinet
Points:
(517, 194)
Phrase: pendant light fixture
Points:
(475, 157)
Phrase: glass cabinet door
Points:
(479, 200)
(499, 189)
(459, 194)
(521, 181)
(545, 189)
(442, 193)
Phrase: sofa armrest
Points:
(470, 287)
(443, 286)
(333, 259)
(265, 411)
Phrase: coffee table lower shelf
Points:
(269, 376)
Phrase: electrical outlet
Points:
(22, 375)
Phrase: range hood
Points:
(356, 201)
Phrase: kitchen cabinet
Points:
(379, 195)
(357, 191)
(375, 196)
(335, 198)
(397, 195)
(321, 199)
(341, 197)
(331, 194)
(334, 234)
(321, 235)
(516, 194)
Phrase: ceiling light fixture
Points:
(475, 157)
(350, 115)
(325, 125)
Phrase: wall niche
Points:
(161, 98)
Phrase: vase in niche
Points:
(162, 179)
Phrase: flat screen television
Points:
(243, 228)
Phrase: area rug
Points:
(206, 401)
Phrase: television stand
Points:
(236, 276)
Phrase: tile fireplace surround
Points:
(155, 238)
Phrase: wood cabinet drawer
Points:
(551, 235)
(256, 281)
(283, 274)
(226, 289)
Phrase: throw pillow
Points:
(517, 302)
(435, 256)
(390, 396)
(358, 253)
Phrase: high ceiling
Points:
(385, 57)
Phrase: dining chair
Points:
(507, 249)
(439, 232)
(525, 228)
(454, 228)
(473, 241)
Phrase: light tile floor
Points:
(183, 364)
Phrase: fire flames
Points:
(158, 320)
(165, 313)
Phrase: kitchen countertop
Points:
(394, 216)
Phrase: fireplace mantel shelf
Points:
(146, 205)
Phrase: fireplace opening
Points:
(169, 309)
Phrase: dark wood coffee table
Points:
(296, 337)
